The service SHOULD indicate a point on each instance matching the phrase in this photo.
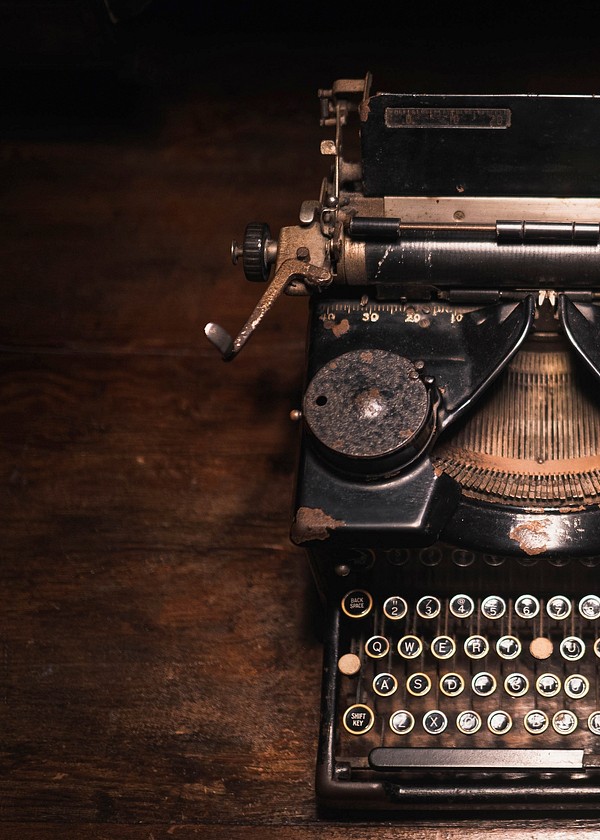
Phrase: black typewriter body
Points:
(448, 482)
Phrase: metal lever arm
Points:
(289, 270)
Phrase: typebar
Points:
(392, 758)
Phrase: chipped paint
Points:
(337, 329)
(532, 536)
(381, 262)
(313, 524)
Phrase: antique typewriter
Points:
(448, 484)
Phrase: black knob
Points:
(255, 256)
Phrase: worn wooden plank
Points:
(155, 631)
(497, 830)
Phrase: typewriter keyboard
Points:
(463, 671)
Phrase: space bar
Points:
(425, 758)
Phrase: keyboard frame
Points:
(349, 781)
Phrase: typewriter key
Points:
(434, 722)
(559, 562)
(508, 647)
(357, 603)
(468, 722)
(401, 722)
(385, 684)
(476, 647)
(594, 723)
(536, 722)
(516, 685)
(572, 648)
(589, 607)
(564, 722)
(526, 606)
(395, 607)
(499, 723)
(409, 647)
(461, 606)
(548, 685)
(576, 686)
(430, 556)
(376, 647)
(463, 558)
(483, 684)
(597, 647)
(358, 719)
(493, 607)
(443, 647)
(428, 606)
(558, 607)
(418, 684)
(452, 685)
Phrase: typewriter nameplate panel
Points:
(474, 118)
(550, 148)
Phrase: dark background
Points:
(159, 646)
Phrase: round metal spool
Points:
(369, 412)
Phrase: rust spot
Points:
(366, 356)
(571, 509)
(337, 329)
(341, 328)
(531, 536)
(313, 524)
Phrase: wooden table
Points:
(159, 648)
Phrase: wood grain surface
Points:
(159, 634)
